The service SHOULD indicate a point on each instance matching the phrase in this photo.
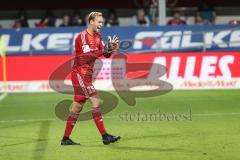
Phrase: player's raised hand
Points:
(114, 42)
(115, 39)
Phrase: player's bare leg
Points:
(71, 121)
(97, 117)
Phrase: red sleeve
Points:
(78, 46)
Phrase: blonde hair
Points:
(93, 15)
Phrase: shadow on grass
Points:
(119, 145)
(151, 136)
(41, 146)
(40, 143)
(27, 139)
(149, 149)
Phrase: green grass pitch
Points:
(208, 128)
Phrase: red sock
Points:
(71, 121)
(97, 117)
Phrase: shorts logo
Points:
(85, 48)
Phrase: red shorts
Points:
(82, 89)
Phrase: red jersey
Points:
(87, 48)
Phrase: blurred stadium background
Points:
(198, 42)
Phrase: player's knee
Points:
(96, 103)
(77, 107)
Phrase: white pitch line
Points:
(2, 96)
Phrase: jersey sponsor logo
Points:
(86, 48)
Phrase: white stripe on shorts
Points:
(80, 80)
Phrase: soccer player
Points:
(88, 47)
